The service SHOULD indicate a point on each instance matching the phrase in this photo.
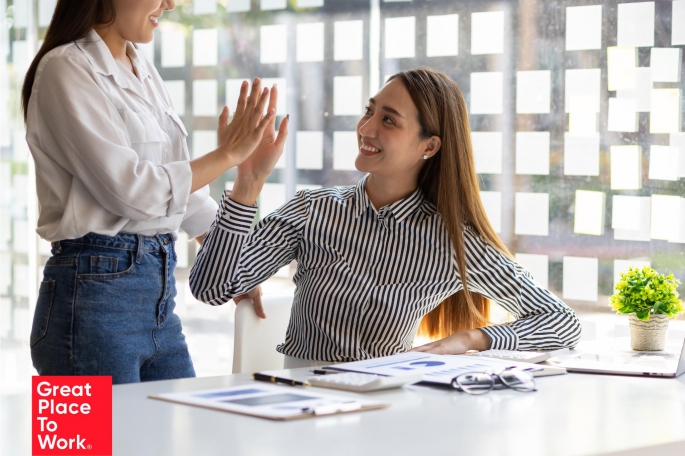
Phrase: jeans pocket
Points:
(108, 267)
(41, 317)
(103, 265)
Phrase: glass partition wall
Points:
(575, 108)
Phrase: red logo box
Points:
(72, 415)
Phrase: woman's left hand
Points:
(457, 343)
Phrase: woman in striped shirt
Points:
(409, 246)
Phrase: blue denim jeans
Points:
(106, 307)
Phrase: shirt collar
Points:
(100, 57)
(400, 209)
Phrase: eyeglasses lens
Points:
(518, 380)
(476, 383)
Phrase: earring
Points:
(425, 157)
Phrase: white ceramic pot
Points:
(648, 335)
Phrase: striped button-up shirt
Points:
(366, 277)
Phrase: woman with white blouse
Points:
(409, 247)
(114, 184)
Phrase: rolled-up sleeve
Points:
(85, 135)
(200, 213)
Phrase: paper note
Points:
(583, 27)
(310, 42)
(399, 37)
(442, 35)
(622, 115)
(347, 95)
(635, 24)
(642, 92)
(665, 114)
(309, 149)
(204, 7)
(582, 92)
(348, 41)
(345, 150)
(678, 23)
(205, 47)
(45, 10)
(621, 64)
(582, 122)
(486, 93)
(665, 64)
(626, 168)
(487, 151)
(532, 214)
(665, 216)
(177, 95)
(622, 266)
(537, 265)
(678, 140)
(532, 152)
(309, 3)
(237, 6)
(271, 198)
(273, 43)
(533, 92)
(663, 163)
(205, 97)
(630, 217)
(203, 141)
(487, 32)
(581, 154)
(580, 278)
(267, 5)
(173, 49)
(492, 203)
(589, 212)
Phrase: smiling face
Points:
(390, 144)
(136, 20)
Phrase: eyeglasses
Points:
(477, 383)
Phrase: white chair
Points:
(255, 340)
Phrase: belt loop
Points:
(57, 246)
(139, 251)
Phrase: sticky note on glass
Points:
(267, 5)
(273, 43)
(203, 141)
(532, 152)
(492, 203)
(232, 93)
(679, 232)
(348, 40)
(663, 163)
(205, 97)
(630, 217)
(665, 211)
(677, 140)
(665, 64)
(205, 47)
(583, 27)
(310, 42)
(622, 115)
(642, 92)
(532, 214)
(665, 112)
(582, 122)
(271, 198)
(537, 265)
(487, 151)
(345, 150)
(582, 91)
(589, 212)
(621, 63)
(622, 266)
(581, 154)
(347, 95)
(177, 95)
(204, 7)
(635, 24)
(237, 6)
(399, 37)
(533, 92)
(442, 35)
(309, 149)
(173, 49)
(678, 23)
(626, 168)
(580, 278)
(487, 32)
(486, 93)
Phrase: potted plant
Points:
(650, 299)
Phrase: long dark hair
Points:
(450, 182)
(72, 20)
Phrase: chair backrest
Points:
(255, 340)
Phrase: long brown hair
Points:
(71, 21)
(449, 181)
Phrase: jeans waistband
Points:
(127, 241)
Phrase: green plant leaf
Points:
(643, 315)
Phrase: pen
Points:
(274, 379)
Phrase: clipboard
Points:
(273, 402)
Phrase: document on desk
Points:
(271, 401)
(438, 368)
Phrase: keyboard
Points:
(522, 356)
(361, 383)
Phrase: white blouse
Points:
(110, 151)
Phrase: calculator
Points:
(362, 383)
